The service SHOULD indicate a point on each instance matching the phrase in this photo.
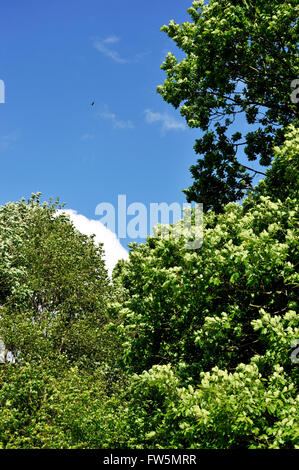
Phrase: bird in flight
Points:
(92, 103)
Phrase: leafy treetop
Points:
(240, 58)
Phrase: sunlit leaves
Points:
(240, 58)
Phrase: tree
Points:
(54, 296)
(240, 59)
(282, 178)
(54, 288)
(211, 333)
(195, 308)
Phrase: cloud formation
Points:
(112, 247)
(111, 40)
(117, 123)
(106, 47)
(167, 121)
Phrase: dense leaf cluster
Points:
(240, 58)
(54, 286)
(186, 348)
(182, 348)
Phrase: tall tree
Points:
(54, 287)
(241, 58)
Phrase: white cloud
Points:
(117, 123)
(112, 247)
(105, 47)
(167, 121)
(111, 40)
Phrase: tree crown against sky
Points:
(210, 333)
(240, 60)
(54, 287)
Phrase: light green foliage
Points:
(240, 58)
(209, 332)
(195, 308)
(186, 349)
(224, 410)
(51, 404)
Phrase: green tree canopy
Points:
(198, 308)
(240, 59)
(210, 333)
(282, 178)
(54, 286)
(54, 296)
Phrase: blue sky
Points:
(56, 58)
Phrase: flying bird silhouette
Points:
(92, 103)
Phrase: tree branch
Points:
(251, 169)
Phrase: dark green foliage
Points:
(240, 59)
(183, 348)
(54, 287)
(282, 179)
(187, 348)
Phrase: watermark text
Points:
(162, 220)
